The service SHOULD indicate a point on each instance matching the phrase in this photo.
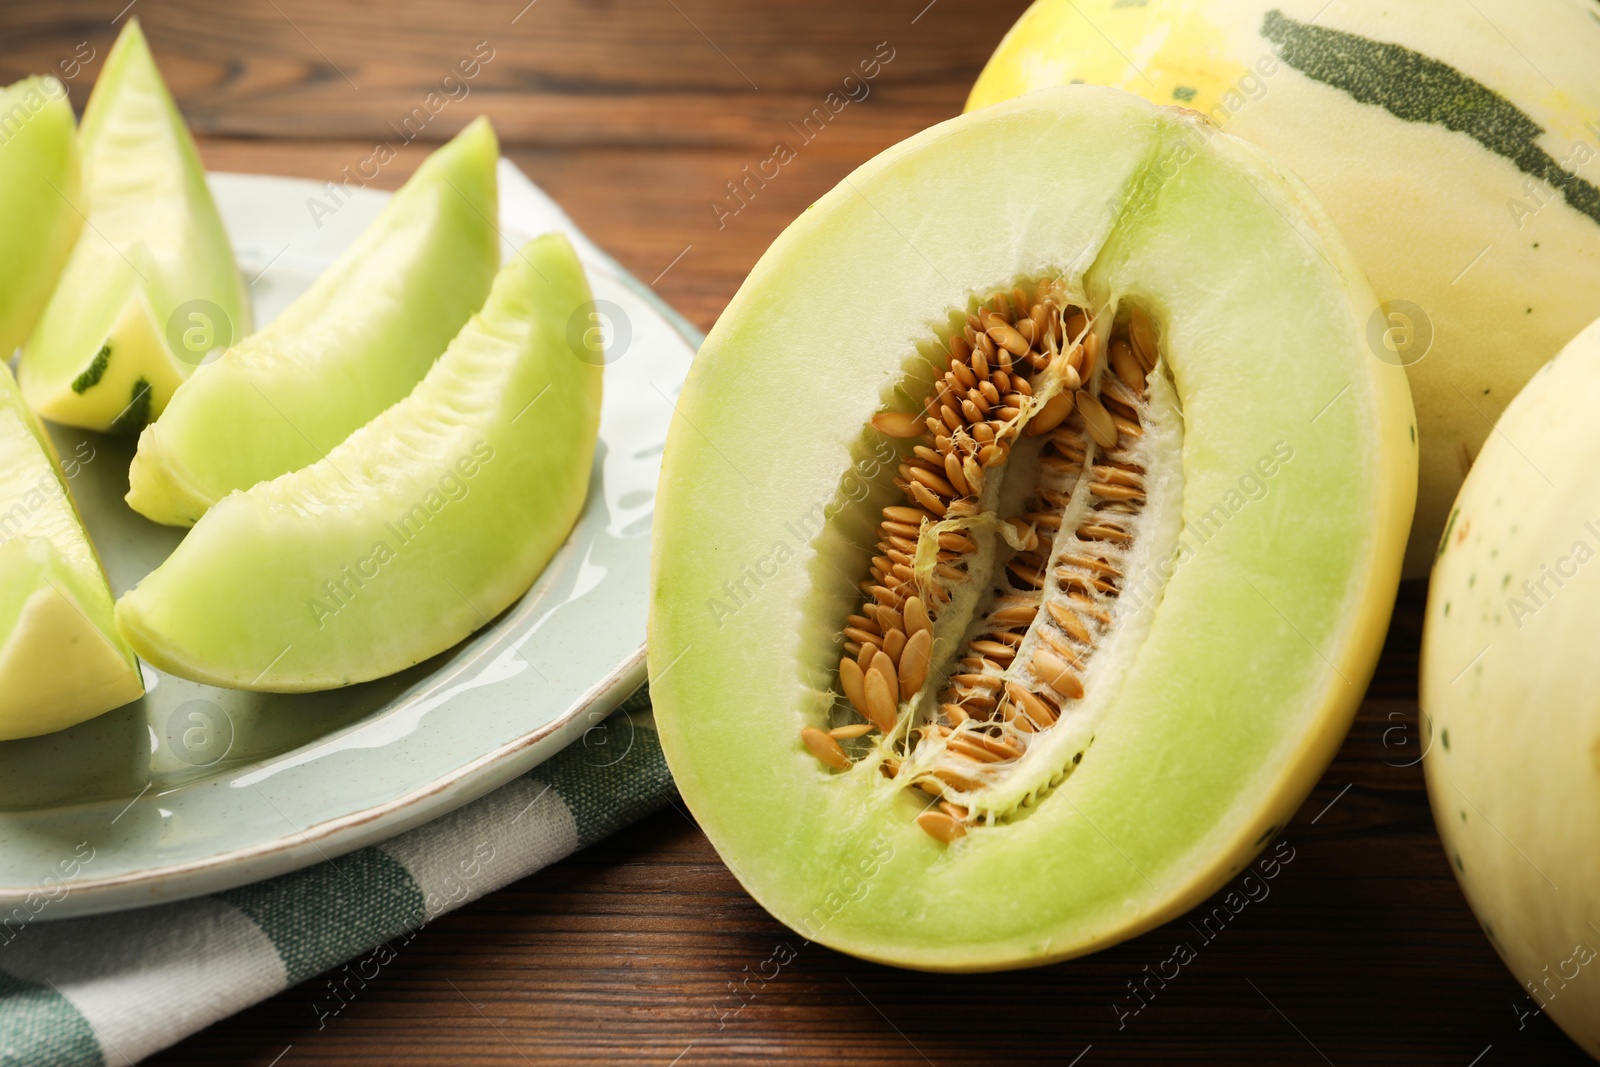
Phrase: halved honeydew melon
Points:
(353, 344)
(1191, 490)
(1509, 676)
(152, 259)
(415, 531)
(61, 659)
(39, 189)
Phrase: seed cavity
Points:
(995, 587)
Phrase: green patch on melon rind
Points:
(94, 372)
(136, 415)
(1418, 88)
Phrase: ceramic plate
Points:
(195, 789)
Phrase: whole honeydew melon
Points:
(39, 188)
(1511, 690)
(1453, 143)
(1027, 533)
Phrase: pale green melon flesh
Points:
(1266, 633)
(353, 344)
(39, 187)
(152, 245)
(415, 531)
(1509, 676)
(61, 659)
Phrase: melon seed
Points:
(1097, 421)
(824, 747)
(880, 701)
(898, 423)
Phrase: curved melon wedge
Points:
(153, 257)
(415, 531)
(61, 658)
(1195, 590)
(39, 189)
(353, 344)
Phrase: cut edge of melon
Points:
(1371, 587)
(84, 673)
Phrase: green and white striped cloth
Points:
(113, 989)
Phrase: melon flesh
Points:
(61, 659)
(1508, 681)
(1453, 146)
(416, 530)
(152, 252)
(353, 344)
(1234, 680)
(39, 189)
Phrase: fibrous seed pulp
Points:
(1033, 440)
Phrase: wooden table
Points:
(635, 114)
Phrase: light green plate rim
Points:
(193, 789)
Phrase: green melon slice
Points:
(415, 531)
(61, 659)
(39, 189)
(152, 260)
(1200, 466)
(353, 344)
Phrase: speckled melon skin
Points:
(1509, 690)
(1453, 144)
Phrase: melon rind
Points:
(1509, 673)
(1265, 638)
(1496, 253)
(40, 180)
(152, 251)
(415, 531)
(353, 344)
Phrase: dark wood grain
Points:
(635, 950)
(634, 114)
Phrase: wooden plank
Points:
(646, 72)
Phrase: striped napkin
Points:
(113, 989)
